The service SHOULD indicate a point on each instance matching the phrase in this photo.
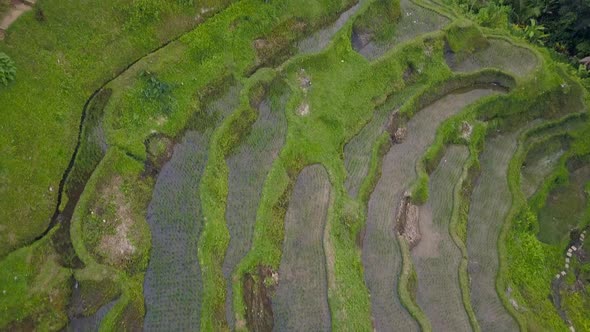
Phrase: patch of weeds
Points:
(7, 69)
(157, 91)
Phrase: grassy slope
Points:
(60, 63)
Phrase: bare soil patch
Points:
(257, 295)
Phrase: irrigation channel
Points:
(436, 257)
(381, 253)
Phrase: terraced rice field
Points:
(276, 142)
(320, 39)
(499, 54)
(490, 202)
(381, 253)
(301, 299)
(539, 162)
(248, 168)
(173, 280)
(91, 323)
(565, 207)
(436, 257)
(415, 20)
(357, 152)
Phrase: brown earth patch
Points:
(408, 221)
(396, 127)
(116, 248)
(258, 290)
(17, 8)
(303, 109)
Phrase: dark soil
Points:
(408, 221)
(259, 315)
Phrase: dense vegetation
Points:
(295, 164)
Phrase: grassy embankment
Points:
(65, 57)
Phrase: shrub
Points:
(7, 69)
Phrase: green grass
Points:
(34, 289)
(62, 61)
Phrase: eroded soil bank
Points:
(381, 253)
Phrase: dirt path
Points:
(381, 254)
(436, 258)
(17, 8)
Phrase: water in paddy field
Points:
(499, 54)
(301, 299)
(436, 257)
(414, 21)
(539, 162)
(490, 201)
(565, 207)
(172, 286)
(248, 167)
(320, 39)
(90, 323)
(380, 253)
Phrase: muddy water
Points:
(565, 207)
(91, 323)
(172, 286)
(301, 299)
(381, 254)
(414, 21)
(320, 39)
(490, 202)
(436, 258)
(248, 168)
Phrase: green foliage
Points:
(7, 69)
(535, 32)
(34, 288)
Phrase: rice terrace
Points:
(294, 165)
